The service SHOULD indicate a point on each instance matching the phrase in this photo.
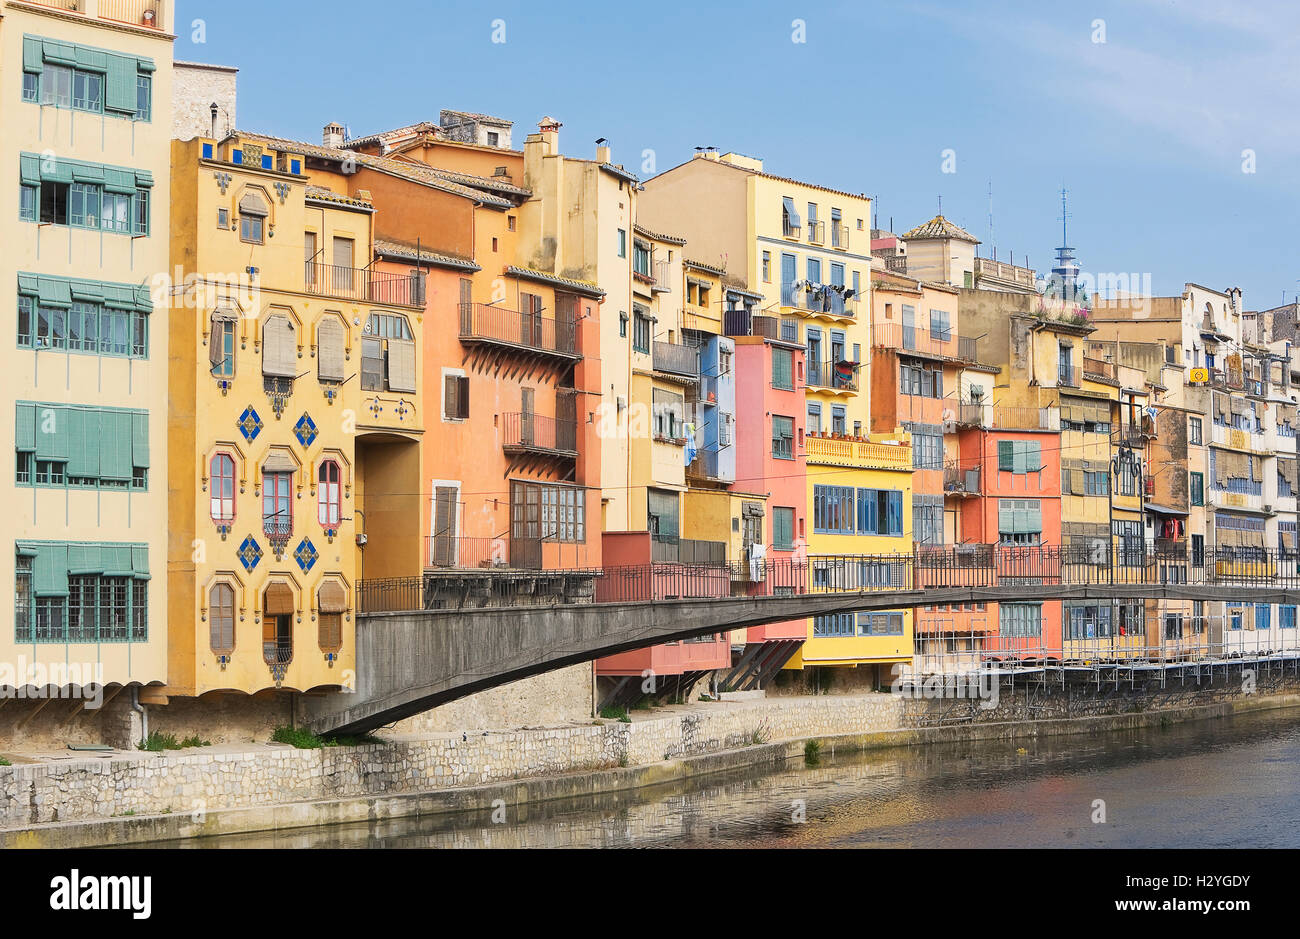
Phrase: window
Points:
(663, 510)
(838, 419)
(940, 326)
(1263, 616)
(927, 451)
(1130, 543)
(388, 354)
(550, 512)
(221, 346)
(81, 593)
(640, 258)
(331, 604)
(1194, 430)
(510, 223)
(1286, 617)
(455, 398)
(1096, 483)
(921, 381)
(880, 512)
(641, 333)
(83, 326)
(277, 503)
(622, 243)
(143, 98)
(1021, 620)
(221, 618)
(492, 138)
(1019, 456)
(251, 228)
(783, 368)
(222, 483)
(767, 267)
(833, 626)
(1020, 521)
(782, 437)
(833, 510)
(1196, 488)
(669, 415)
(328, 501)
(81, 447)
(927, 519)
(880, 624)
(814, 425)
(84, 195)
(783, 528)
(223, 223)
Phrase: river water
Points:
(1228, 783)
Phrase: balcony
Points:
(1136, 433)
(1097, 369)
(484, 323)
(839, 236)
(705, 466)
(1024, 276)
(826, 300)
(662, 278)
(857, 453)
(1066, 376)
(789, 229)
(539, 436)
(670, 549)
(976, 414)
(833, 375)
(816, 232)
(676, 359)
(894, 263)
(462, 553)
(144, 13)
(1237, 437)
(363, 284)
(934, 343)
(961, 479)
(1017, 418)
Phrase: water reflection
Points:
(1228, 783)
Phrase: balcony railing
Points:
(147, 13)
(837, 375)
(789, 229)
(973, 415)
(1066, 375)
(352, 283)
(895, 263)
(662, 279)
(941, 343)
(839, 236)
(670, 549)
(1021, 275)
(961, 479)
(1096, 368)
(862, 454)
(825, 299)
(705, 465)
(817, 232)
(677, 359)
(535, 433)
(1135, 434)
(482, 322)
(1020, 418)
(466, 553)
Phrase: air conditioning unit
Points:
(1268, 510)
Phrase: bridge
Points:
(419, 645)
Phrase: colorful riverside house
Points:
(920, 363)
(87, 121)
(296, 416)
(859, 537)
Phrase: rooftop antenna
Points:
(1065, 216)
(941, 206)
(993, 242)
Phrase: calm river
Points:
(1228, 783)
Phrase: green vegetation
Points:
(4, 762)
(812, 753)
(760, 734)
(194, 741)
(615, 713)
(306, 740)
(157, 742)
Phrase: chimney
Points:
(549, 128)
(333, 135)
(603, 154)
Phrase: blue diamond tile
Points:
(306, 555)
(250, 425)
(305, 430)
(250, 552)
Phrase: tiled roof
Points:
(392, 249)
(672, 239)
(529, 273)
(423, 127)
(939, 227)
(321, 194)
(782, 179)
(701, 266)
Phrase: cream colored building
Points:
(86, 117)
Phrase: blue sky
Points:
(1147, 129)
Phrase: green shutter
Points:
(115, 445)
(140, 439)
(87, 291)
(117, 560)
(29, 285)
(85, 434)
(33, 55)
(119, 85)
(119, 181)
(87, 172)
(61, 53)
(1006, 517)
(143, 300)
(30, 169)
(51, 570)
(1034, 517)
(55, 292)
(51, 432)
(144, 179)
(140, 561)
(93, 60)
(25, 428)
(54, 170)
(1033, 456)
(144, 65)
(84, 559)
(1006, 456)
(781, 359)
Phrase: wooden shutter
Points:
(329, 341)
(401, 365)
(279, 348)
(372, 365)
(279, 599)
(329, 632)
(462, 397)
(451, 397)
(444, 525)
(221, 617)
(332, 598)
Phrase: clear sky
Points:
(1146, 129)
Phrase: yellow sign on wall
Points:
(1200, 376)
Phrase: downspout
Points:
(140, 709)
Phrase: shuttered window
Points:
(455, 398)
(783, 369)
(332, 603)
(278, 600)
(221, 616)
(1019, 456)
(783, 528)
(330, 349)
(84, 448)
(1020, 517)
(76, 592)
(279, 348)
(662, 508)
(372, 365)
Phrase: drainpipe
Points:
(140, 709)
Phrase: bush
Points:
(812, 753)
(4, 762)
(306, 740)
(615, 713)
(158, 742)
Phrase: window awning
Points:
(277, 461)
(333, 598)
(253, 204)
(1165, 510)
(278, 599)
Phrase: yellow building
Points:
(295, 417)
(85, 148)
(860, 493)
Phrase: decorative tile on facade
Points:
(250, 424)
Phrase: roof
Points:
(673, 239)
(583, 286)
(216, 68)
(782, 179)
(483, 118)
(393, 249)
(939, 227)
(707, 268)
(321, 194)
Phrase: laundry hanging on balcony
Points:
(691, 449)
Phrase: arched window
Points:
(327, 494)
(223, 487)
(221, 616)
